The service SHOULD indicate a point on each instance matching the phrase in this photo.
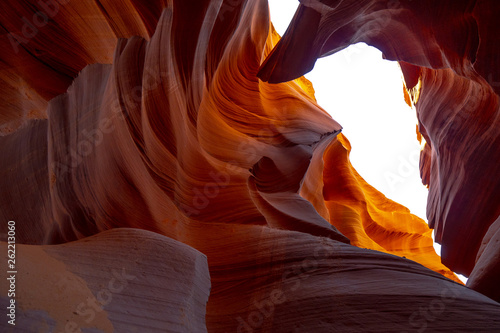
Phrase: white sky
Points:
(364, 93)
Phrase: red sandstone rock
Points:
(484, 276)
(174, 133)
(454, 91)
(121, 280)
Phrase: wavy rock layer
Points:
(174, 133)
(122, 280)
(484, 276)
(453, 81)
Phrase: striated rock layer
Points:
(171, 131)
(449, 54)
(104, 282)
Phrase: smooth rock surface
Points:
(121, 280)
(151, 116)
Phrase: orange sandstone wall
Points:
(449, 54)
(153, 117)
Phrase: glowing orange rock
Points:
(175, 134)
(452, 79)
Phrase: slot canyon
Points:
(165, 167)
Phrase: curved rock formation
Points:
(484, 276)
(175, 134)
(104, 283)
(452, 79)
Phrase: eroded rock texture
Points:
(151, 116)
(63, 288)
(449, 54)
